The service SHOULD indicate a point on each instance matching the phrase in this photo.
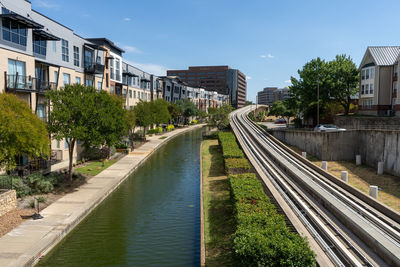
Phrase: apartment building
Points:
(39, 54)
(378, 92)
(139, 85)
(221, 79)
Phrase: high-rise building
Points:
(221, 79)
(271, 94)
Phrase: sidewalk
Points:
(25, 244)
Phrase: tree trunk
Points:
(71, 146)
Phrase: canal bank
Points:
(32, 239)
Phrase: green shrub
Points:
(170, 127)
(195, 121)
(39, 184)
(17, 184)
(152, 131)
(230, 148)
(121, 146)
(237, 165)
(159, 129)
(261, 237)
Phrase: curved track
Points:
(350, 227)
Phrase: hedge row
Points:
(230, 149)
(237, 165)
(261, 237)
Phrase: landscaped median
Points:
(258, 235)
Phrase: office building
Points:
(269, 95)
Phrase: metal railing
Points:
(94, 68)
(28, 83)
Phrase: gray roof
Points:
(384, 55)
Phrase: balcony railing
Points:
(15, 82)
(94, 68)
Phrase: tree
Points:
(174, 112)
(159, 110)
(314, 74)
(21, 132)
(80, 113)
(219, 117)
(131, 124)
(344, 80)
(144, 118)
(187, 108)
(284, 109)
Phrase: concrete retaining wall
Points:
(372, 145)
(8, 201)
(373, 123)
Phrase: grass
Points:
(96, 167)
(361, 177)
(163, 137)
(218, 219)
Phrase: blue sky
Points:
(267, 40)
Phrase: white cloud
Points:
(45, 4)
(127, 19)
(131, 49)
(267, 56)
(288, 81)
(248, 77)
(151, 68)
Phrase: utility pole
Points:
(317, 101)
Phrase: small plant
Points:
(41, 199)
(163, 137)
(170, 127)
(194, 121)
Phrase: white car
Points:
(328, 128)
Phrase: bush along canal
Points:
(152, 219)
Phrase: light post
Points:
(318, 101)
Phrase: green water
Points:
(152, 219)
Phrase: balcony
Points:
(94, 68)
(18, 83)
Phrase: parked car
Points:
(328, 128)
(280, 121)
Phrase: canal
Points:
(152, 219)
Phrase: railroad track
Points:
(351, 228)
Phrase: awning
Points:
(22, 20)
(46, 35)
(95, 46)
(128, 73)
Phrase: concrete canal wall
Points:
(373, 145)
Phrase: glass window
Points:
(14, 32)
(57, 143)
(76, 56)
(112, 74)
(88, 82)
(134, 94)
(39, 45)
(395, 87)
(54, 46)
(64, 50)
(372, 73)
(363, 74)
(117, 69)
(65, 144)
(366, 88)
(41, 111)
(371, 88)
(66, 78)
(362, 89)
(78, 80)
(130, 93)
(88, 58)
(17, 67)
(55, 76)
(98, 86)
(367, 74)
(112, 89)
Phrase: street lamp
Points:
(318, 101)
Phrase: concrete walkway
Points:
(25, 244)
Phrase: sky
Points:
(266, 40)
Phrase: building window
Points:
(395, 87)
(372, 73)
(65, 144)
(367, 74)
(117, 70)
(66, 78)
(112, 89)
(39, 45)
(99, 86)
(107, 79)
(363, 74)
(54, 46)
(78, 80)
(57, 143)
(14, 32)
(76, 56)
(371, 88)
(41, 111)
(64, 50)
(134, 94)
(366, 88)
(112, 69)
(56, 76)
(88, 82)
(130, 93)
